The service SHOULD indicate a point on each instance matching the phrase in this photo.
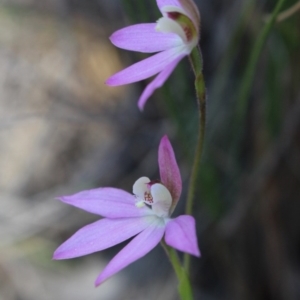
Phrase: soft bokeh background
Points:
(62, 130)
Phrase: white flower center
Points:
(176, 21)
(167, 25)
(153, 194)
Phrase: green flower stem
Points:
(184, 286)
(252, 63)
(196, 62)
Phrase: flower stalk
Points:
(184, 286)
(197, 65)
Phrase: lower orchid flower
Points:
(145, 215)
(174, 36)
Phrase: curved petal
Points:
(157, 82)
(137, 248)
(187, 7)
(169, 171)
(101, 235)
(144, 38)
(107, 202)
(181, 235)
(147, 67)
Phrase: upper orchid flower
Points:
(173, 36)
(145, 215)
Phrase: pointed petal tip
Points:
(108, 82)
(141, 107)
(195, 252)
(65, 199)
(165, 142)
(165, 139)
(111, 37)
(114, 37)
(59, 255)
(56, 255)
(115, 80)
(141, 102)
(99, 281)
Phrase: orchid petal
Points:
(144, 38)
(147, 67)
(107, 202)
(158, 81)
(187, 7)
(101, 235)
(169, 171)
(181, 234)
(137, 248)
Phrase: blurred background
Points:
(62, 130)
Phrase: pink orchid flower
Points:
(145, 215)
(173, 36)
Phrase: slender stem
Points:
(252, 63)
(244, 91)
(184, 286)
(196, 62)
